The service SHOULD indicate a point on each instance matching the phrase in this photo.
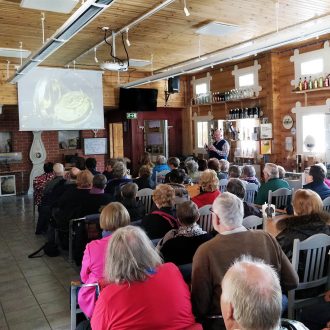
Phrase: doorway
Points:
(116, 141)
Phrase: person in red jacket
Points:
(142, 292)
(209, 186)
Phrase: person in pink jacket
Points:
(112, 217)
(142, 292)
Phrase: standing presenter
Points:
(220, 147)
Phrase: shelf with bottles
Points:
(310, 85)
(234, 95)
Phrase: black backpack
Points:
(49, 248)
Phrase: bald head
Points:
(74, 171)
(251, 296)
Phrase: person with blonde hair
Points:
(209, 188)
(159, 222)
(141, 292)
(309, 219)
(113, 216)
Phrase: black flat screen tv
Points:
(138, 99)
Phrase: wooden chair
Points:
(223, 185)
(252, 222)
(160, 176)
(326, 204)
(251, 190)
(280, 197)
(145, 196)
(294, 184)
(205, 218)
(74, 307)
(316, 271)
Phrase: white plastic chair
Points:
(205, 218)
(145, 196)
(315, 274)
(326, 204)
(251, 190)
(223, 185)
(294, 184)
(281, 197)
(252, 222)
(160, 176)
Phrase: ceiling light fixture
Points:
(127, 40)
(272, 40)
(185, 9)
(82, 17)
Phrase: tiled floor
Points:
(34, 293)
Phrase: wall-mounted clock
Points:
(287, 122)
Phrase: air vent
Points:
(217, 29)
(57, 6)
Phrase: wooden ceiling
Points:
(168, 36)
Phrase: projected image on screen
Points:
(60, 99)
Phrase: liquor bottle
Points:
(305, 84)
(310, 83)
(316, 83)
(320, 82)
(300, 85)
(326, 81)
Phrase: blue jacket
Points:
(319, 187)
(159, 168)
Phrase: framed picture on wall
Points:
(8, 185)
(95, 146)
(266, 147)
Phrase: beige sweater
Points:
(213, 258)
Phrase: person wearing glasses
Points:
(213, 258)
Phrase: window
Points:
(246, 80)
(312, 67)
(202, 134)
(201, 85)
(313, 133)
(201, 88)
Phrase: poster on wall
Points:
(266, 131)
(8, 185)
(266, 147)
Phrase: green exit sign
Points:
(131, 115)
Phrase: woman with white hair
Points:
(142, 293)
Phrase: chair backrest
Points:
(314, 252)
(223, 185)
(294, 184)
(205, 218)
(145, 196)
(252, 222)
(160, 176)
(326, 204)
(251, 190)
(280, 197)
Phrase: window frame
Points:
(197, 119)
(195, 82)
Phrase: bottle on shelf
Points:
(305, 84)
(310, 83)
(300, 85)
(326, 81)
(316, 83)
(320, 82)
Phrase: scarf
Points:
(190, 231)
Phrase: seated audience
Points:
(281, 172)
(142, 292)
(96, 199)
(249, 175)
(192, 170)
(109, 168)
(144, 180)
(119, 178)
(251, 297)
(40, 181)
(213, 258)
(179, 245)
(160, 166)
(135, 208)
(214, 164)
(325, 171)
(173, 163)
(272, 182)
(236, 187)
(234, 171)
(159, 222)
(113, 216)
(308, 220)
(224, 168)
(146, 160)
(209, 188)
(315, 181)
(202, 165)
(90, 164)
(176, 178)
